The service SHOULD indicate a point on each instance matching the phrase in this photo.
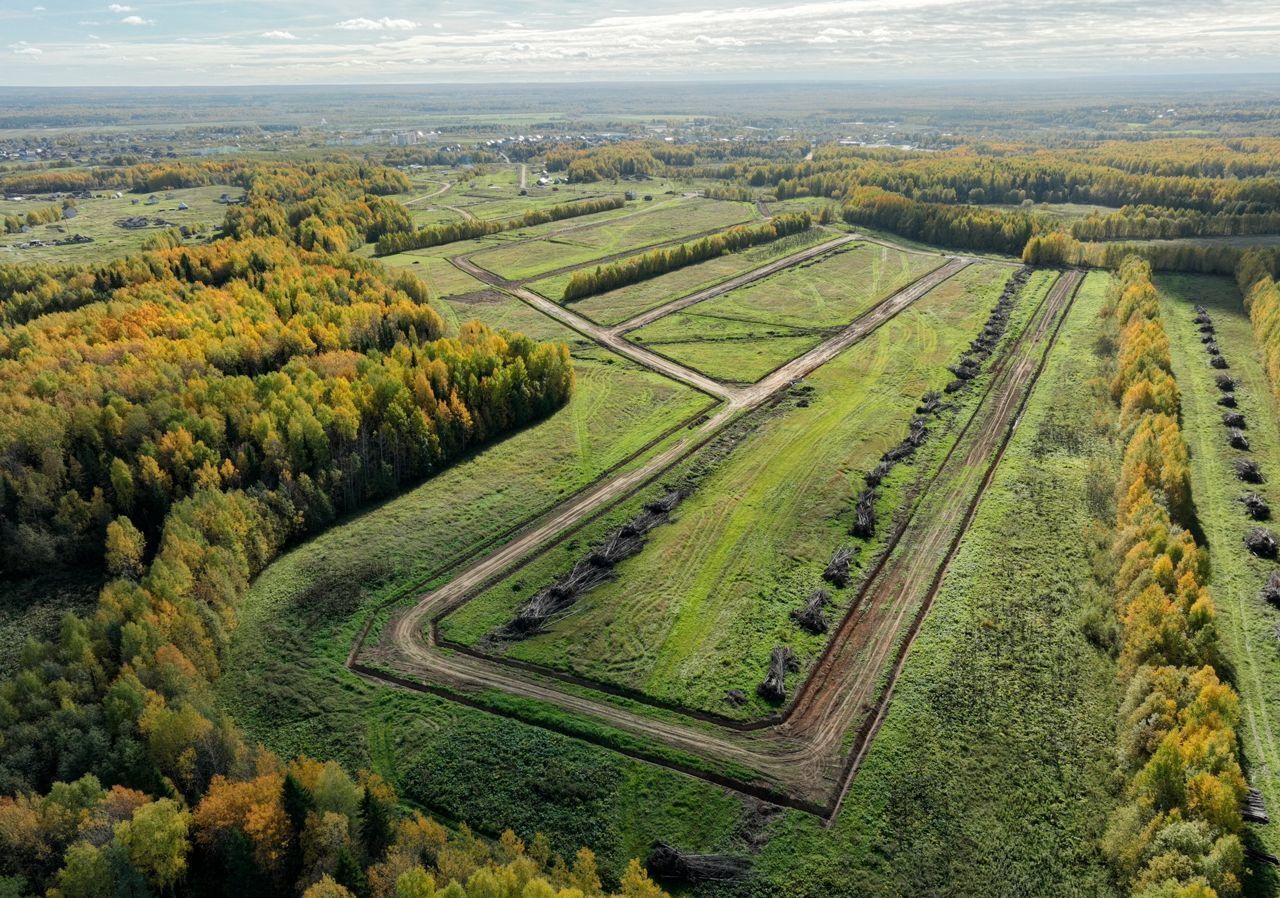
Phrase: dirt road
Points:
(802, 757)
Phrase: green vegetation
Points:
(97, 218)
(696, 613)
(470, 228)
(744, 334)
(625, 303)
(990, 775)
(1246, 622)
(577, 245)
(657, 262)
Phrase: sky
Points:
(229, 42)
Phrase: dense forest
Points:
(174, 419)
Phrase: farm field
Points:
(96, 218)
(1246, 623)
(697, 612)
(777, 318)
(624, 303)
(637, 227)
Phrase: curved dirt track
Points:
(802, 759)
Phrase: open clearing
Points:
(765, 323)
(697, 612)
(573, 245)
(617, 306)
(807, 756)
(97, 218)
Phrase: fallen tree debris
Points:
(864, 510)
(811, 616)
(1261, 542)
(837, 571)
(673, 865)
(1271, 589)
(1247, 470)
(589, 572)
(781, 662)
(1256, 506)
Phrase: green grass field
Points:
(1246, 624)
(617, 306)
(742, 335)
(991, 774)
(698, 611)
(518, 259)
(96, 218)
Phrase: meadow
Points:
(624, 303)
(696, 613)
(636, 227)
(742, 335)
(97, 217)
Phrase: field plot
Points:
(993, 764)
(746, 333)
(97, 218)
(617, 306)
(1246, 623)
(697, 612)
(643, 226)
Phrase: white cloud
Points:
(136, 20)
(37, 9)
(119, 8)
(29, 51)
(280, 35)
(383, 24)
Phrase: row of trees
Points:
(1060, 248)
(285, 829)
(657, 262)
(1159, 223)
(967, 227)
(613, 161)
(1256, 275)
(404, 240)
(1178, 830)
(1009, 176)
